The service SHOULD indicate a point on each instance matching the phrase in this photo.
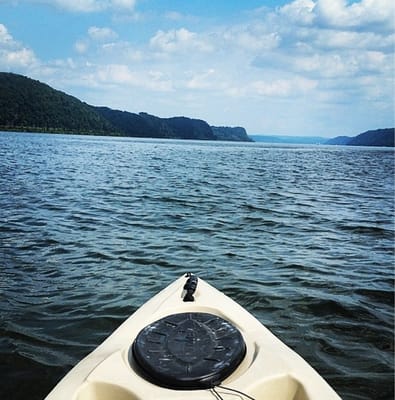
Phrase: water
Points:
(92, 227)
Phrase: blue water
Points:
(92, 227)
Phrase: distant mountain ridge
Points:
(339, 140)
(29, 105)
(378, 137)
(288, 139)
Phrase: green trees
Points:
(26, 104)
(29, 105)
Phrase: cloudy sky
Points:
(302, 67)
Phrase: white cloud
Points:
(115, 73)
(299, 12)
(101, 34)
(337, 13)
(122, 52)
(340, 39)
(179, 40)
(250, 38)
(327, 65)
(13, 55)
(5, 37)
(282, 87)
(264, 42)
(81, 46)
(121, 74)
(204, 80)
(18, 58)
(281, 56)
(96, 35)
(124, 4)
(87, 6)
(79, 5)
(340, 65)
(315, 53)
(340, 13)
(330, 39)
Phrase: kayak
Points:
(190, 341)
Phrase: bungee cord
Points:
(219, 397)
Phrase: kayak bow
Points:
(190, 341)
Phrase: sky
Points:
(302, 67)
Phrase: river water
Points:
(92, 227)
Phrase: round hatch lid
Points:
(188, 351)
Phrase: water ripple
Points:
(91, 228)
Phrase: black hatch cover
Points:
(188, 351)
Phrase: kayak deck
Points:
(269, 369)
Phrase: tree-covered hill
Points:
(146, 125)
(378, 137)
(29, 105)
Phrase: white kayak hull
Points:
(269, 370)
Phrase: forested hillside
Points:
(377, 137)
(146, 125)
(29, 105)
(26, 104)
